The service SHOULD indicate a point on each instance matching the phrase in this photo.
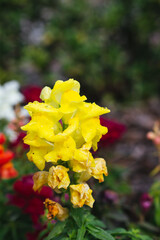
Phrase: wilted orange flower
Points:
(55, 210)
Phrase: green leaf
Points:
(72, 234)
(78, 215)
(134, 233)
(42, 233)
(99, 233)
(118, 231)
(81, 232)
(57, 229)
(157, 212)
(90, 219)
(61, 237)
(3, 232)
(144, 237)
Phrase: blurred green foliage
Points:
(155, 193)
(111, 47)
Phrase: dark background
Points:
(112, 47)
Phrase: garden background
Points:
(112, 48)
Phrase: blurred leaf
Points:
(78, 214)
(99, 233)
(81, 232)
(149, 227)
(58, 228)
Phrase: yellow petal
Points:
(99, 169)
(45, 94)
(36, 155)
(40, 179)
(37, 107)
(92, 110)
(93, 131)
(73, 123)
(60, 87)
(33, 140)
(62, 151)
(58, 177)
(81, 194)
(70, 101)
(42, 125)
(82, 160)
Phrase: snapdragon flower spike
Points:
(64, 127)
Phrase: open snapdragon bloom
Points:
(63, 130)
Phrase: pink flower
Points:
(111, 196)
(19, 141)
(146, 202)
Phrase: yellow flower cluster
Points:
(63, 129)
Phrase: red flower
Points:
(30, 201)
(7, 170)
(2, 138)
(5, 156)
(31, 93)
(19, 141)
(115, 131)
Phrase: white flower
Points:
(9, 96)
(11, 134)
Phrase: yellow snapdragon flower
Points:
(36, 155)
(54, 96)
(58, 177)
(63, 150)
(82, 159)
(63, 130)
(97, 171)
(81, 194)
